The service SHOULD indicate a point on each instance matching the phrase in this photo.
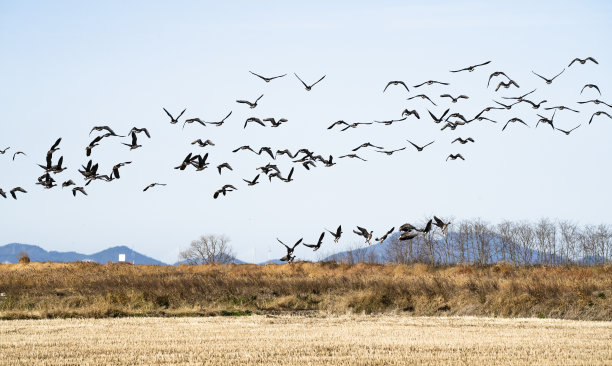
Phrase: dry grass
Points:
(296, 340)
(48, 290)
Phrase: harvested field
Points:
(295, 340)
(62, 290)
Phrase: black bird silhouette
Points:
(253, 119)
(115, 172)
(267, 80)
(533, 105)
(289, 257)
(595, 101)
(408, 113)
(341, 122)
(193, 120)
(78, 189)
(395, 82)
(513, 120)
(336, 234)
(153, 185)
(252, 182)
(18, 153)
(561, 108)
(353, 156)
(203, 143)
(15, 190)
(2, 193)
(420, 148)
(318, 244)
(251, 105)
(274, 122)
(496, 73)
(109, 130)
(407, 228)
(506, 85)
(224, 165)
(367, 144)
(436, 119)
(507, 106)
(308, 87)
(220, 122)
(245, 147)
(134, 144)
(427, 227)
(430, 82)
(471, 68)
(454, 100)
(363, 232)
(172, 119)
(384, 237)
(355, 125)
(93, 144)
(593, 86)
(226, 188)
(268, 150)
(288, 179)
(441, 224)
(390, 152)
(422, 96)
(454, 157)
(582, 61)
(199, 162)
(186, 162)
(68, 183)
(2, 152)
(391, 121)
(285, 152)
(408, 236)
(520, 98)
(567, 132)
(548, 81)
(598, 114)
(462, 141)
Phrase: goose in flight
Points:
(462, 141)
(595, 101)
(436, 119)
(267, 80)
(2, 152)
(186, 162)
(56, 169)
(407, 228)
(285, 152)
(172, 119)
(582, 61)
(252, 182)
(598, 114)
(268, 168)
(533, 105)
(548, 81)
(390, 152)
(547, 120)
(199, 162)
(318, 244)
(289, 257)
(268, 150)
(226, 188)
(2, 193)
(454, 157)
(507, 84)
(78, 189)
(513, 120)
(109, 130)
(508, 106)
(15, 190)
(251, 105)
(224, 165)
(420, 148)
(407, 113)
(430, 82)
(193, 120)
(153, 185)
(93, 144)
(454, 100)
(274, 122)
(336, 234)
(18, 153)
(481, 118)
(520, 98)
(46, 181)
(253, 119)
(245, 147)
(408, 236)
(495, 74)
(115, 172)
(363, 232)
(591, 86)
(201, 143)
(567, 132)
(422, 96)
(561, 108)
(367, 144)
(441, 224)
(395, 82)
(288, 179)
(68, 183)
(353, 156)
(384, 237)
(134, 144)
(308, 87)
(391, 121)
(458, 116)
(340, 122)
(140, 130)
(355, 125)
(471, 68)
(220, 122)
(427, 227)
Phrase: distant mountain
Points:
(10, 252)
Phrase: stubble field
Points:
(293, 340)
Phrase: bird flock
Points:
(308, 159)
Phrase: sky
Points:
(67, 66)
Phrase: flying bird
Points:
(367, 144)
(68, 183)
(336, 234)
(436, 119)
(390, 152)
(593, 86)
(252, 182)
(391, 121)
(353, 156)
(420, 148)
(134, 144)
(115, 172)
(533, 105)
(384, 237)
(18, 153)
(454, 157)
(153, 185)
(595, 101)
(201, 143)
(598, 114)
(274, 122)
(422, 96)
(245, 147)
(513, 120)
(318, 244)
(506, 85)
(408, 113)
(395, 82)
(582, 61)
(15, 190)
(336, 124)
(454, 100)
(462, 141)
(430, 82)
(308, 87)
(355, 125)
(220, 122)
(253, 119)
(267, 80)
(172, 119)
(561, 108)
(471, 68)
(78, 189)
(567, 132)
(226, 188)
(289, 257)
(495, 74)
(548, 81)
(441, 224)
(224, 165)
(104, 128)
(2, 152)
(251, 105)
(363, 232)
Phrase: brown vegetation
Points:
(41, 290)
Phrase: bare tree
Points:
(209, 249)
(568, 232)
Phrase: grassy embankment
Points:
(48, 290)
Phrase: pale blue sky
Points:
(68, 65)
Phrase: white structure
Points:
(121, 257)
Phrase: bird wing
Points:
(592, 59)
(306, 86)
(257, 75)
(257, 100)
(318, 81)
(539, 75)
(168, 113)
(558, 74)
